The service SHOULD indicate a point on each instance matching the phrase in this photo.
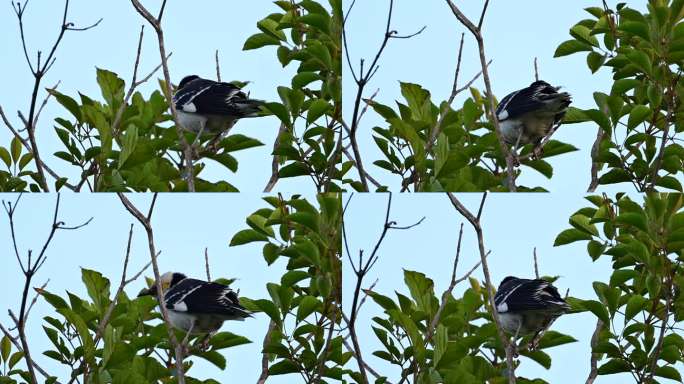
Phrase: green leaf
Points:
(259, 40)
(112, 87)
(247, 236)
(5, 348)
(570, 236)
(293, 169)
(669, 373)
(597, 309)
(67, 102)
(5, 156)
(303, 79)
(385, 302)
(317, 108)
(270, 309)
(595, 60)
(98, 288)
(213, 357)
(283, 367)
(634, 219)
(52, 299)
(86, 339)
(634, 305)
(637, 116)
(582, 223)
(623, 85)
(15, 146)
(583, 34)
(570, 47)
(281, 112)
(614, 176)
(306, 307)
(574, 115)
(614, 366)
(128, 144)
(14, 359)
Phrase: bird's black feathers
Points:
(208, 97)
(526, 100)
(201, 297)
(528, 295)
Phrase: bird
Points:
(528, 306)
(197, 306)
(528, 115)
(203, 104)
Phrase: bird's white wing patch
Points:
(501, 308)
(189, 107)
(180, 306)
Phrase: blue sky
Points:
(184, 225)
(515, 32)
(513, 226)
(192, 33)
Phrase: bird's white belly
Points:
(203, 324)
(510, 322)
(510, 129)
(191, 121)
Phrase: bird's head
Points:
(507, 279)
(167, 280)
(186, 80)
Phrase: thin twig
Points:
(264, 358)
(595, 356)
(145, 222)
(475, 223)
(218, 68)
(206, 263)
(168, 92)
(536, 267)
(477, 33)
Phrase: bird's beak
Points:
(145, 292)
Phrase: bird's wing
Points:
(212, 98)
(525, 100)
(197, 296)
(525, 295)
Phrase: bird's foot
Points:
(537, 152)
(203, 345)
(514, 349)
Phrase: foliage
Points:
(308, 34)
(141, 154)
(14, 178)
(131, 350)
(463, 347)
(640, 118)
(304, 306)
(466, 155)
(641, 304)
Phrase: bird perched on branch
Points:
(196, 306)
(528, 306)
(212, 106)
(529, 114)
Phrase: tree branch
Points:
(168, 92)
(476, 32)
(146, 223)
(475, 223)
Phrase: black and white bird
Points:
(213, 106)
(527, 115)
(528, 306)
(196, 306)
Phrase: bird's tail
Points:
(250, 107)
(557, 102)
